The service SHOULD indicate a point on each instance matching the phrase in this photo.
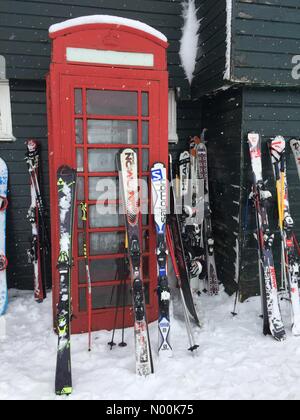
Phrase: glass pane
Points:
(80, 188)
(104, 270)
(102, 160)
(144, 189)
(146, 242)
(146, 272)
(111, 102)
(106, 297)
(112, 132)
(78, 101)
(145, 132)
(80, 245)
(145, 104)
(103, 188)
(80, 160)
(79, 219)
(145, 165)
(145, 219)
(107, 243)
(79, 131)
(105, 215)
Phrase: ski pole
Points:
(84, 216)
(193, 345)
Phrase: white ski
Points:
(295, 145)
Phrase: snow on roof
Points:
(94, 19)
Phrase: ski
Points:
(290, 265)
(193, 346)
(66, 187)
(208, 239)
(3, 258)
(159, 205)
(268, 284)
(295, 145)
(36, 254)
(128, 173)
(181, 258)
(84, 218)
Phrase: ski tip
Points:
(296, 331)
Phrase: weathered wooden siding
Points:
(266, 36)
(222, 116)
(269, 112)
(24, 30)
(211, 58)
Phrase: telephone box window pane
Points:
(145, 165)
(105, 215)
(80, 160)
(112, 102)
(145, 104)
(80, 188)
(102, 160)
(112, 132)
(79, 219)
(79, 131)
(103, 188)
(145, 191)
(107, 243)
(105, 297)
(80, 245)
(78, 101)
(145, 132)
(103, 270)
(146, 242)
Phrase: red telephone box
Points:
(107, 90)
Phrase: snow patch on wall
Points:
(189, 41)
(227, 73)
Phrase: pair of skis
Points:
(127, 163)
(268, 283)
(169, 239)
(40, 245)
(197, 226)
(290, 268)
(289, 259)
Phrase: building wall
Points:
(24, 30)
(265, 38)
(211, 57)
(222, 116)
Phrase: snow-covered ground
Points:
(234, 360)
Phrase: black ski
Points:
(181, 258)
(271, 311)
(159, 204)
(39, 244)
(66, 186)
